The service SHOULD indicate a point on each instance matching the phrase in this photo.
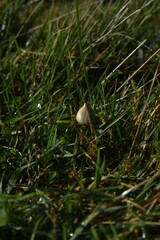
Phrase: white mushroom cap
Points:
(85, 115)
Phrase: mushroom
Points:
(85, 115)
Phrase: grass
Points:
(57, 180)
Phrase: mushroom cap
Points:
(85, 115)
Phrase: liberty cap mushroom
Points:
(85, 115)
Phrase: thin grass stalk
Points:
(81, 49)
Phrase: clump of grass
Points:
(53, 59)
